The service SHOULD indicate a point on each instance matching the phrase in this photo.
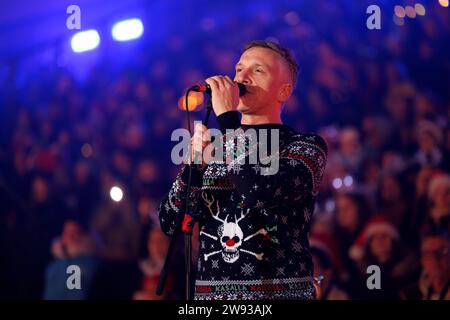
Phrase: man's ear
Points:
(285, 92)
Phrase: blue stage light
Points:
(85, 40)
(127, 29)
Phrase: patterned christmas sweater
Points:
(253, 226)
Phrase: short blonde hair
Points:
(285, 53)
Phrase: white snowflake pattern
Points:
(259, 204)
(280, 254)
(203, 244)
(215, 264)
(257, 168)
(167, 207)
(229, 147)
(296, 233)
(255, 187)
(284, 219)
(221, 171)
(225, 278)
(296, 246)
(302, 267)
(297, 181)
(247, 269)
(236, 167)
(280, 271)
(306, 214)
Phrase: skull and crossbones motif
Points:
(229, 234)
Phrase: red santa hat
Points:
(378, 223)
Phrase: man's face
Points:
(264, 73)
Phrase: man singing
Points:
(253, 222)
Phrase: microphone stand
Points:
(186, 226)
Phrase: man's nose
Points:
(243, 78)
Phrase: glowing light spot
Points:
(443, 3)
(116, 193)
(85, 41)
(410, 12)
(348, 181)
(337, 183)
(420, 9)
(399, 11)
(195, 99)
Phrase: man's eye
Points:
(259, 70)
(238, 70)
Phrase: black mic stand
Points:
(179, 226)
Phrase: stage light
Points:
(116, 194)
(420, 9)
(399, 11)
(337, 183)
(348, 181)
(195, 99)
(127, 29)
(410, 12)
(443, 3)
(85, 41)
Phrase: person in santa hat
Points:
(379, 244)
(438, 214)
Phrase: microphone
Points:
(207, 89)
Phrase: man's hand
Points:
(199, 142)
(225, 94)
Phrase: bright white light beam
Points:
(127, 29)
(85, 40)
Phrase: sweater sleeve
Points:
(174, 203)
(301, 163)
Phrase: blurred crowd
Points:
(381, 100)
